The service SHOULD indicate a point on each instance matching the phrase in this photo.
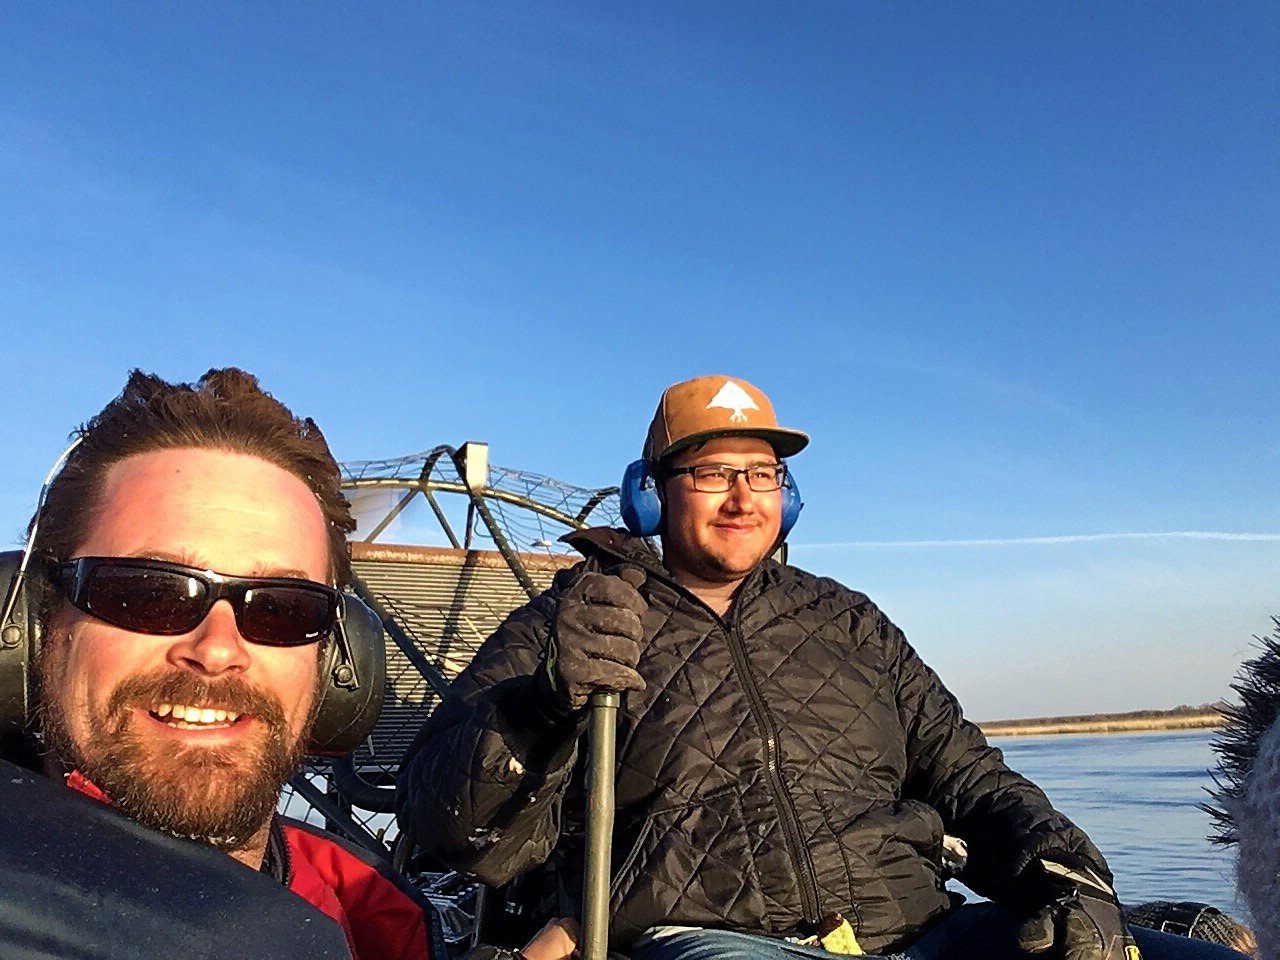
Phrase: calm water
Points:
(1136, 795)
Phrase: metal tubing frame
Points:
(476, 498)
(449, 486)
(333, 813)
(421, 486)
(444, 521)
(600, 497)
(433, 674)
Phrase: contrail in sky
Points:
(1068, 538)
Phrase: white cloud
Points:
(1062, 538)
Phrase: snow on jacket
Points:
(791, 760)
(380, 913)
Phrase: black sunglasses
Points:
(167, 599)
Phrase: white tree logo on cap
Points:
(733, 397)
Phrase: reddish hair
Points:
(225, 410)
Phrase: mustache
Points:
(160, 686)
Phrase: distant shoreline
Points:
(1203, 718)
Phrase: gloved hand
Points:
(1082, 920)
(595, 640)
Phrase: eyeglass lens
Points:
(718, 477)
(170, 602)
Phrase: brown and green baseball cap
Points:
(706, 408)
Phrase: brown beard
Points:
(220, 796)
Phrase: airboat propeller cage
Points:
(353, 678)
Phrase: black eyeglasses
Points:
(720, 477)
(167, 599)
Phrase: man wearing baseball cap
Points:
(788, 767)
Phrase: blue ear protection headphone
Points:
(642, 508)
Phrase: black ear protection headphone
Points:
(353, 678)
(641, 506)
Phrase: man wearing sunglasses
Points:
(788, 768)
(193, 546)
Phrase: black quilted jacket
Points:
(792, 760)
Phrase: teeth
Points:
(190, 714)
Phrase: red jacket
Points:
(380, 919)
(376, 908)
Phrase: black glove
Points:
(1082, 920)
(595, 640)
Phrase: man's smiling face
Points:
(719, 538)
(192, 734)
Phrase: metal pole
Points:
(601, 732)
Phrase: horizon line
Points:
(1052, 540)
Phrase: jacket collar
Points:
(609, 546)
(616, 546)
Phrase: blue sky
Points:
(1014, 267)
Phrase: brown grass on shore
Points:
(1183, 718)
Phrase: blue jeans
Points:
(977, 931)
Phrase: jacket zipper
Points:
(802, 863)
